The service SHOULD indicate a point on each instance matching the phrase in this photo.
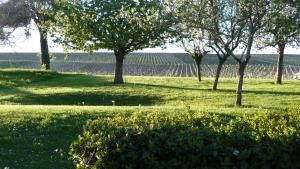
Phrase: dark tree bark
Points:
(218, 73)
(198, 60)
(242, 68)
(119, 67)
(279, 74)
(242, 63)
(45, 59)
(199, 75)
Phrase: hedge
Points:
(190, 141)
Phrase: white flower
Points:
(236, 152)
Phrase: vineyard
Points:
(151, 64)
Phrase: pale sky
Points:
(31, 44)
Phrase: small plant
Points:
(43, 67)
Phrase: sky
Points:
(31, 44)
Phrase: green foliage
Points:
(115, 25)
(193, 37)
(13, 14)
(19, 13)
(120, 26)
(190, 140)
(283, 24)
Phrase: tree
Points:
(193, 37)
(120, 26)
(12, 16)
(282, 29)
(225, 31)
(197, 48)
(252, 16)
(39, 12)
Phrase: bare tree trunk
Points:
(119, 67)
(198, 63)
(281, 48)
(242, 67)
(218, 74)
(198, 60)
(45, 59)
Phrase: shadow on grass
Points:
(50, 79)
(19, 77)
(41, 142)
(15, 78)
(219, 90)
(44, 142)
(85, 98)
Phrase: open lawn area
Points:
(41, 113)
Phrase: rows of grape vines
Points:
(146, 58)
(258, 71)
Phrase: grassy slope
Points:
(38, 135)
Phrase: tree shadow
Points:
(20, 77)
(263, 92)
(50, 79)
(55, 79)
(44, 141)
(85, 98)
(219, 90)
(41, 142)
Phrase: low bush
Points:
(190, 141)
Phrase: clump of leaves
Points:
(190, 140)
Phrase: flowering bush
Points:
(190, 140)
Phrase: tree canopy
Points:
(282, 29)
(12, 16)
(120, 26)
(20, 13)
(192, 36)
(129, 25)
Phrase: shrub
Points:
(190, 141)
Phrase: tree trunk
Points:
(218, 73)
(198, 60)
(242, 67)
(119, 68)
(281, 48)
(198, 63)
(45, 59)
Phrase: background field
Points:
(152, 64)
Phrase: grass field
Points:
(41, 113)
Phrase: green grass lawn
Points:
(41, 113)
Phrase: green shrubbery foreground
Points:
(189, 141)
